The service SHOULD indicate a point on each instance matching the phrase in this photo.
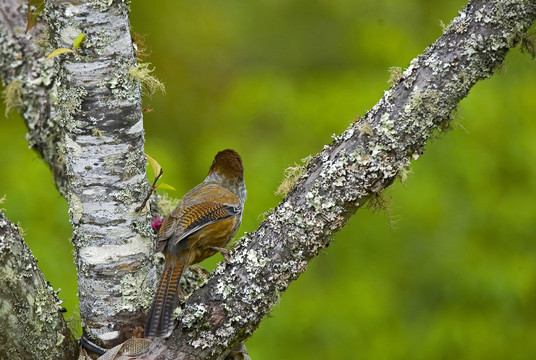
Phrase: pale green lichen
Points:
(76, 207)
(6, 312)
(42, 40)
(291, 176)
(125, 197)
(142, 74)
(102, 5)
(313, 199)
(442, 25)
(96, 132)
(131, 165)
(193, 316)
(133, 293)
(363, 126)
(395, 73)
(224, 289)
(177, 312)
(110, 162)
(68, 101)
(59, 338)
(21, 230)
(68, 35)
(143, 228)
(12, 95)
(122, 85)
(71, 147)
(404, 173)
(43, 308)
(255, 260)
(387, 126)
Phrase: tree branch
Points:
(359, 164)
(28, 304)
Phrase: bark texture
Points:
(30, 313)
(83, 113)
(359, 164)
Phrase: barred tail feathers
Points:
(159, 322)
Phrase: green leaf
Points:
(166, 187)
(78, 41)
(32, 15)
(154, 164)
(32, 20)
(57, 52)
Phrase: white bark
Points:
(83, 113)
(98, 106)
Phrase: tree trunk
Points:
(83, 112)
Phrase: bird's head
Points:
(227, 170)
(227, 164)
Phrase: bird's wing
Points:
(188, 220)
(200, 215)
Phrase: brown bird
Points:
(206, 218)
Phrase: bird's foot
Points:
(224, 252)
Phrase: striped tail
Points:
(160, 318)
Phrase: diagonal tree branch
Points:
(359, 164)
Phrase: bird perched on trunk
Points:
(205, 220)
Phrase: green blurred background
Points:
(453, 278)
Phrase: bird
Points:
(201, 225)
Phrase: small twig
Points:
(153, 187)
